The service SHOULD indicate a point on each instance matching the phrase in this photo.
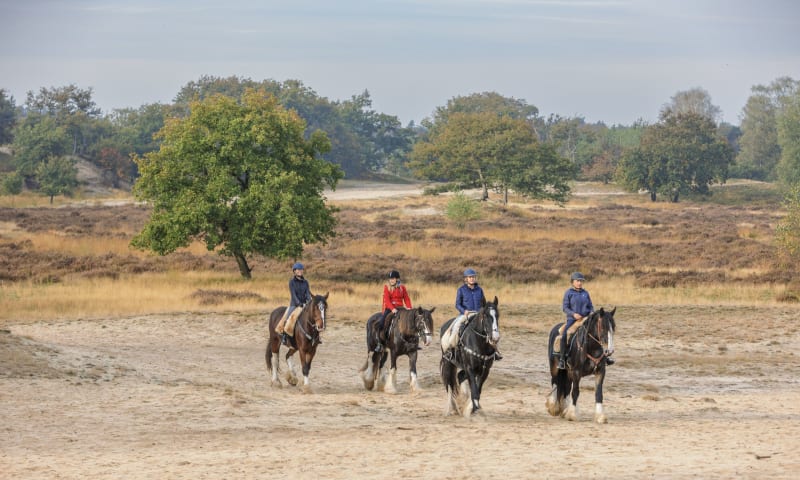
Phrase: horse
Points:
(405, 332)
(472, 359)
(592, 343)
(305, 339)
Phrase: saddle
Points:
(570, 333)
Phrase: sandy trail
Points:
(187, 396)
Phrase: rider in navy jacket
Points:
(577, 304)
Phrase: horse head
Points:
(318, 307)
(600, 327)
(490, 321)
(423, 323)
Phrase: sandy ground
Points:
(709, 393)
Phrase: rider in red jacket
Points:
(395, 296)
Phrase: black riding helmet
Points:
(394, 274)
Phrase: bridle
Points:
(321, 305)
(490, 335)
(596, 336)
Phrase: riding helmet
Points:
(576, 276)
(297, 266)
(470, 273)
(394, 274)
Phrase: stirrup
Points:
(497, 356)
(562, 364)
(610, 361)
(285, 338)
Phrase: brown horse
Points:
(405, 332)
(305, 338)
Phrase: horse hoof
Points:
(276, 384)
(291, 381)
(601, 419)
(307, 389)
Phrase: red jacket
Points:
(395, 297)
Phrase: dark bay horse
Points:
(310, 323)
(405, 332)
(472, 360)
(589, 347)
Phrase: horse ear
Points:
(326, 295)
(432, 309)
(419, 310)
(495, 300)
(613, 311)
(601, 311)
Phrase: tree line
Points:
(484, 139)
(241, 165)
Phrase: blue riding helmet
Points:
(394, 274)
(576, 276)
(297, 266)
(470, 273)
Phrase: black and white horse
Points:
(407, 328)
(464, 373)
(591, 344)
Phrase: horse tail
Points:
(560, 380)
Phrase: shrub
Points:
(461, 210)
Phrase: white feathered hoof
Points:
(276, 384)
(307, 389)
(571, 414)
(290, 379)
(601, 418)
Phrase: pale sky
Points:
(607, 60)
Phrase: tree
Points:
(12, 184)
(240, 176)
(788, 168)
(72, 108)
(35, 140)
(695, 101)
(8, 117)
(759, 150)
(492, 151)
(682, 153)
(57, 176)
(787, 233)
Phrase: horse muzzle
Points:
(426, 340)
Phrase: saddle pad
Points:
(289, 327)
(570, 333)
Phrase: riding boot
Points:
(610, 361)
(562, 355)
(497, 355)
(285, 338)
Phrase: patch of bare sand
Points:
(710, 394)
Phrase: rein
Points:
(485, 335)
(308, 319)
(582, 347)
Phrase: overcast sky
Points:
(606, 60)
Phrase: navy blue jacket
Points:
(576, 301)
(471, 299)
(301, 292)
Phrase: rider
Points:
(300, 295)
(469, 299)
(395, 296)
(577, 304)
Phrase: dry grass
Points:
(75, 261)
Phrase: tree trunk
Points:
(244, 268)
(505, 195)
(652, 196)
(674, 198)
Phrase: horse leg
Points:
(369, 370)
(572, 410)
(412, 372)
(305, 361)
(290, 375)
(448, 371)
(599, 416)
(391, 381)
(273, 360)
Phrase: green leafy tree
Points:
(788, 168)
(240, 176)
(8, 117)
(682, 153)
(693, 101)
(57, 176)
(72, 108)
(759, 149)
(787, 233)
(491, 151)
(36, 139)
(12, 184)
